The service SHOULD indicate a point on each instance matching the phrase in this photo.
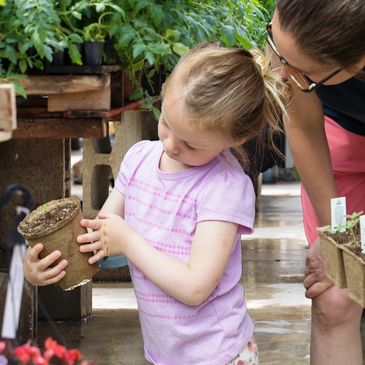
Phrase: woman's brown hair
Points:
(330, 31)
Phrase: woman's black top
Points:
(345, 103)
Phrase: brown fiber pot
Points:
(56, 225)
(332, 255)
(355, 276)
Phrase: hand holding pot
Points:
(110, 236)
(315, 280)
(39, 271)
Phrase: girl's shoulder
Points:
(141, 149)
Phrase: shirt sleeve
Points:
(128, 166)
(228, 196)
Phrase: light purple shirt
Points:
(165, 208)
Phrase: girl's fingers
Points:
(98, 256)
(94, 224)
(91, 247)
(34, 252)
(49, 260)
(55, 279)
(55, 271)
(89, 237)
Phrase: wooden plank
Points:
(61, 84)
(81, 70)
(89, 100)
(7, 107)
(60, 128)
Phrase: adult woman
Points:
(321, 46)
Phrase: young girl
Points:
(179, 207)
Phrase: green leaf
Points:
(74, 54)
(23, 66)
(138, 49)
(137, 94)
(137, 66)
(150, 57)
(20, 90)
(75, 38)
(180, 48)
(10, 54)
(172, 33)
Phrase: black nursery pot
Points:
(93, 52)
(59, 58)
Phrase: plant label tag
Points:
(362, 233)
(338, 214)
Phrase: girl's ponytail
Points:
(277, 97)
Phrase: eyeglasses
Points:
(302, 81)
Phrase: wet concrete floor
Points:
(273, 263)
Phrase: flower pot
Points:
(93, 52)
(56, 225)
(355, 275)
(332, 255)
(59, 58)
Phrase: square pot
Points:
(332, 255)
(355, 276)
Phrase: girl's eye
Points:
(188, 146)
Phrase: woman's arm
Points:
(191, 282)
(304, 126)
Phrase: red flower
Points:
(2, 346)
(58, 350)
(73, 356)
(22, 354)
(39, 360)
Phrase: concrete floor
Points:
(273, 263)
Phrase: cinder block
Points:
(101, 161)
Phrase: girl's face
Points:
(295, 57)
(181, 142)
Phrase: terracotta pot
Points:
(56, 225)
(355, 276)
(332, 255)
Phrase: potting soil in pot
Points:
(56, 225)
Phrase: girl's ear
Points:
(239, 142)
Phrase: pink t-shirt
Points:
(165, 208)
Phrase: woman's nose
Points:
(283, 72)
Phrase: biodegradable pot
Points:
(332, 255)
(355, 275)
(56, 225)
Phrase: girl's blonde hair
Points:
(230, 90)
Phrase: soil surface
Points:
(49, 218)
(346, 237)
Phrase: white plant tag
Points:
(362, 233)
(14, 293)
(338, 214)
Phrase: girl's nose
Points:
(171, 145)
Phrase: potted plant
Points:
(56, 224)
(341, 251)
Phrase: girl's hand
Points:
(110, 236)
(38, 271)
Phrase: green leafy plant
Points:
(352, 220)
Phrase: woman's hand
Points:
(110, 235)
(38, 271)
(315, 280)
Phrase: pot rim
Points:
(40, 211)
